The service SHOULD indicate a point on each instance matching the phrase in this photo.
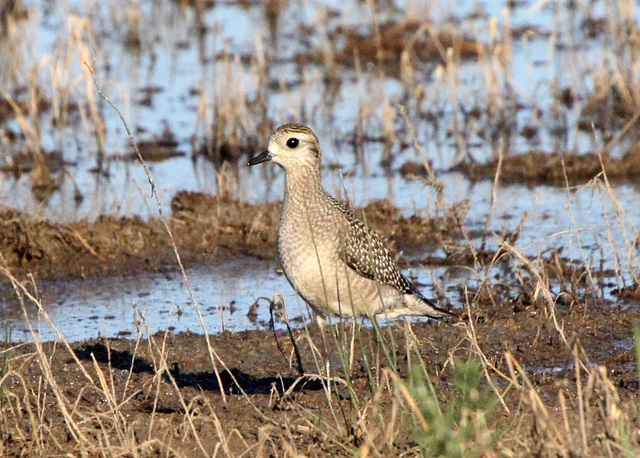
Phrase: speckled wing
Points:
(365, 253)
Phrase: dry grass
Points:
(463, 85)
(376, 391)
(129, 397)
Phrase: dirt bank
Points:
(537, 167)
(205, 228)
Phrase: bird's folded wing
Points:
(365, 253)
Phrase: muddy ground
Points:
(205, 229)
(557, 168)
(155, 413)
(152, 396)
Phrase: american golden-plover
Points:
(330, 257)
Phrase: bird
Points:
(331, 258)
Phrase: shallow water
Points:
(110, 306)
(132, 306)
(225, 293)
(181, 67)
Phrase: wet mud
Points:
(264, 392)
(536, 168)
(205, 229)
(267, 385)
(408, 42)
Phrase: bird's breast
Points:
(308, 247)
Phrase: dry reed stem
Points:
(486, 364)
(212, 353)
(494, 187)
(432, 180)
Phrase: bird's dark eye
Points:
(293, 142)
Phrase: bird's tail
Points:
(417, 304)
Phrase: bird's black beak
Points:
(262, 157)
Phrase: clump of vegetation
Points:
(463, 425)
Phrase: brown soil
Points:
(205, 228)
(414, 37)
(267, 421)
(26, 162)
(412, 40)
(258, 412)
(539, 167)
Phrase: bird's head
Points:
(291, 146)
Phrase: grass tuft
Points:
(462, 425)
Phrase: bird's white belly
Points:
(313, 266)
(331, 287)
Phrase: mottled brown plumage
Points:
(336, 263)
